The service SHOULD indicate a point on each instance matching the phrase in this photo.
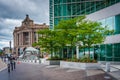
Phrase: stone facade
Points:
(26, 34)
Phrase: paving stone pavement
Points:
(115, 74)
(2, 65)
(26, 71)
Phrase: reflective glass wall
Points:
(117, 24)
(65, 9)
(109, 52)
(113, 23)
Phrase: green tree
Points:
(47, 40)
(71, 32)
(81, 30)
(1, 52)
(91, 33)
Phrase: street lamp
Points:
(10, 46)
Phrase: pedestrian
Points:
(8, 63)
(14, 63)
(11, 63)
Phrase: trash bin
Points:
(107, 67)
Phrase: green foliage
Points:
(83, 60)
(87, 60)
(55, 58)
(75, 31)
(1, 52)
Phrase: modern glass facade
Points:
(109, 52)
(117, 24)
(113, 23)
(65, 9)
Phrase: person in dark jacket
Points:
(14, 63)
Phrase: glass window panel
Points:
(64, 8)
(117, 24)
(108, 50)
(102, 54)
(64, 1)
(69, 9)
(110, 23)
(73, 0)
(77, 8)
(68, 1)
(57, 1)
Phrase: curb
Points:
(3, 68)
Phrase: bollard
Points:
(107, 67)
(39, 61)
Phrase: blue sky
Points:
(12, 12)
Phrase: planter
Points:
(79, 65)
(42, 60)
(53, 62)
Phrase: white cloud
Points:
(6, 33)
(5, 44)
(8, 26)
(19, 5)
(12, 22)
(12, 12)
(37, 9)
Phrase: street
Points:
(25, 71)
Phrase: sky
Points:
(13, 12)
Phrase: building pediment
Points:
(27, 22)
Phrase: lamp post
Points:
(10, 46)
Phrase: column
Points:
(15, 40)
(32, 37)
(36, 37)
(77, 51)
(22, 38)
(29, 39)
(19, 39)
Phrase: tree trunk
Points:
(72, 52)
(84, 48)
(62, 53)
(68, 52)
(89, 52)
(51, 53)
(84, 51)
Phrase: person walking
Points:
(14, 63)
(8, 63)
(11, 63)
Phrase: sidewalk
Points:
(26, 71)
(114, 70)
(2, 65)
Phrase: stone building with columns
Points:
(25, 35)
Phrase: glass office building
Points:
(65, 9)
(105, 11)
(109, 16)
